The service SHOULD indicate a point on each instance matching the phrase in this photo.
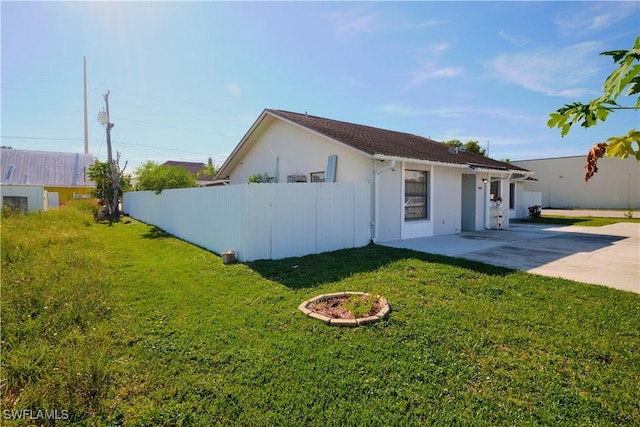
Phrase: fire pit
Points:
(346, 308)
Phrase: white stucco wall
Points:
(300, 152)
(520, 203)
(446, 213)
(561, 182)
(390, 203)
(35, 194)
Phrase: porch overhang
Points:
(385, 157)
(469, 168)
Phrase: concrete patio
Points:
(608, 255)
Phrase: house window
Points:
(494, 193)
(416, 195)
(317, 176)
(512, 195)
(16, 203)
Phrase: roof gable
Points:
(192, 167)
(45, 168)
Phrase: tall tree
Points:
(100, 174)
(210, 170)
(474, 147)
(625, 78)
(152, 176)
(471, 146)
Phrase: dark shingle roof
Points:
(192, 167)
(376, 141)
(45, 168)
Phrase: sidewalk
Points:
(607, 255)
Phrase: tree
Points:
(474, 147)
(100, 174)
(626, 77)
(260, 178)
(470, 146)
(210, 170)
(152, 176)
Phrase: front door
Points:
(468, 203)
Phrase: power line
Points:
(169, 126)
(160, 148)
(146, 108)
(39, 90)
(209, 107)
(43, 138)
(27, 107)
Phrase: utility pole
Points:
(86, 121)
(115, 211)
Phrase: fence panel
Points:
(261, 221)
(336, 229)
(294, 218)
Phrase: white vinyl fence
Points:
(261, 221)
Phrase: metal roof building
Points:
(49, 169)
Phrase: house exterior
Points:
(63, 176)
(561, 182)
(420, 187)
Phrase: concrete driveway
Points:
(608, 255)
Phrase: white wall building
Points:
(616, 185)
(24, 198)
(420, 187)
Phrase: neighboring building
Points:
(194, 168)
(616, 185)
(63, 176)
(420, 187)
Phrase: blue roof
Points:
(45, 168)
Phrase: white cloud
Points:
(355, 22)
(403, 110)
(435, 48)
(552, 71)
(428, 59)
(358, 21)
(428, 72)
(353, 83)
(514, 40)
(234, 90)
(595, 16)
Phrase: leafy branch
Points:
(626, 75)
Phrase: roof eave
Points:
(419, 161)
(471, 168)
(230, 162)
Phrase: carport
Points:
(608, 255)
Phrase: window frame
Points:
(415, 194)
(313, 176)
(494, 196)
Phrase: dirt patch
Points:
(347, 306)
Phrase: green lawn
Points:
(587, 221)
(122, 324)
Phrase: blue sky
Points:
(187, 79)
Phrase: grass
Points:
(122, 324)
(587, 221)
